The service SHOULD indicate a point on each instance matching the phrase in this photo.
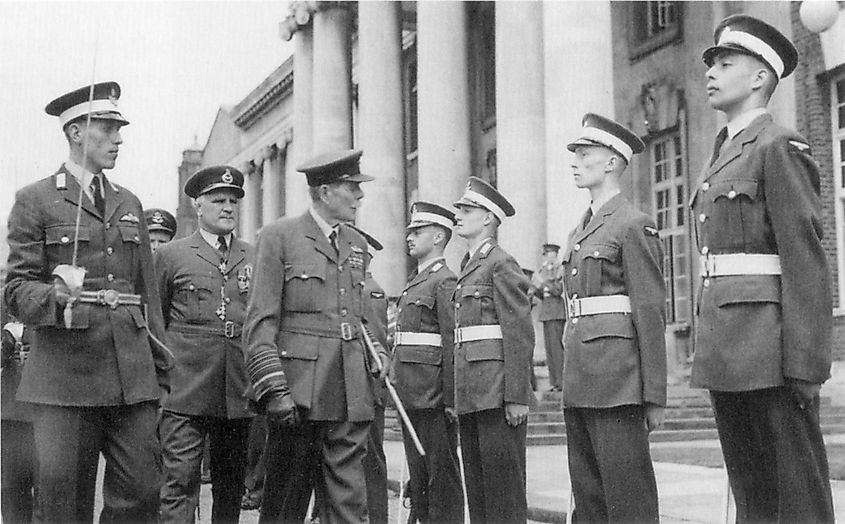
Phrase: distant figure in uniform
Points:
(494, 344)
(547, 286)
(204, 281)
(305, 353)
(423, 369)
(764, 326)
(614, 383)
(161, 225)
(17, 446)
(92, 373)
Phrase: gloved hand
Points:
(281, 411)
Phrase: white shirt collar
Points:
(83, 177)
(742, 121)
(427, 264)
(321, 222)
(595, 205)
(211, 238)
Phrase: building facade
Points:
(434, 92)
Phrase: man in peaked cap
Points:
(304, 349)
(547, 286)
(423, 369)
(204, 281)
(93, 375)
(494, 343)
(758, 216)
(615, 294)
(161, 226)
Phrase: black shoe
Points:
(250, 502)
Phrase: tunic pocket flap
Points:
(749, 292)
(301, 352)
(305, 271)
(607, 252)
(476, 291)
(129, 233)
(484, 351)
(600, 326)
(414, 355)
(64, 233)
(422, 301)
(731, 189)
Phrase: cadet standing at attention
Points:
(547, 286)
(204, 281)
(92, 373)
(764, 326)
(423, 368)
(614, 383)
(494, 343)
(305, 352)
(161, 225)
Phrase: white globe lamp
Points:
(819, 15)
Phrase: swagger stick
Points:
(390, 389)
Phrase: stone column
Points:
(520, 127)
(272, 186)
(380, 132)
(332, 124)
(296, 187)
(443, 119)
(579, 79)
(249, 208)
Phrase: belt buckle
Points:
(108, 297)
(708, 265)
(229, 329)
(346, 331)
(574, 305)
(458, 338)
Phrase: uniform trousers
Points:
(18, 477)
(494, 465)
(437, 494)
(182, 438)
(553, 339)
(610, 467)
(775, 455)
(375, 470)
(255, 459)
(68, 443)
(325, 457)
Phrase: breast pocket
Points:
(733, 215)
(415, 311)
(304, 285)
(59, 240)
(473, 301)
(595, 262)
(198, 297)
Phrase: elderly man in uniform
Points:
(423, 368)
(547, 287)
(204, 281)
(494, 343)
(161, 226)
(763, 330)
(305, 356)
(92, 373)
(614, 384)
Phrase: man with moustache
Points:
(494, 343)
(92, 375)
(764, 328)
(204, 281)
(423, 368)
(305, 353)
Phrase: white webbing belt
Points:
(580, 307)
(408, 338)
(739, 264)
(473, 333)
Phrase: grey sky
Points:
(176, 62)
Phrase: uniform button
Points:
(342, 291)
(731, 194)
(284, 353)
(458, 305)
(109, 250)
(228, 300)
(137, 239)
(477, 294)
(110, 277)
(191, 287)
(574, 320)
(574, 271)
(458, 286)
(702, 217)
(65, 240)
(404, 293)
(108, 225)
(706, 282)
(705, 186)
(343, 312)
(304, 275)
(595, 253)
(577, 247)
(705, 250)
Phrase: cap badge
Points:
(227, 177)
(157, 218)
(113, 97)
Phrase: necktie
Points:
(221, 245)
(333, 240)
(717, 146)
(96, 191)
(587, 218)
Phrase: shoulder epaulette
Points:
(436, 267)
(486, 248)
(61, 181)
(801, 147)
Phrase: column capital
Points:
(300, 15)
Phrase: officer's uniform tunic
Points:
(492, 290)
(425, 380)
(754, 331)
(302, 331)
(547, 285)
(614, 364)
(375, 461)
(204, 299)
(104, 363)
